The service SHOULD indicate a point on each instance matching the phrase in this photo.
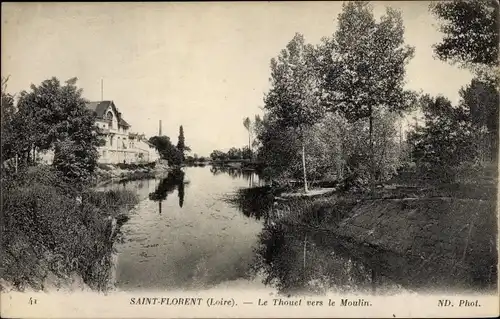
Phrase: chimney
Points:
(159, 129)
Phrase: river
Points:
(184, 235)
(189, 232)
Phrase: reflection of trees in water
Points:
(297, 252)
(293, 260)
(174, 179)
(236, 173)
(180, 193)
(253, 202)
(293, 256)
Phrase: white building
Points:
(120, 146)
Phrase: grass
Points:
(47, 230)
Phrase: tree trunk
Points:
(304, 161)
(305, 250)
(401, 139)
(372, 156)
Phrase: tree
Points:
(257, 129)
(294, 95)
(246, 153)
(181, 142)
(481, 100)
(218, 155)
(167, 150)
(234, 153)
(470, 32)
(446, 140)
(68, 159)
(247, 123)
(8, 130)
(363, 66)
(55, 116)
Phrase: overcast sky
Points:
(202, 65)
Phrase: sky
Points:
(204, 65)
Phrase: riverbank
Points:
(107, 173)
(420, 235)
(55, 237)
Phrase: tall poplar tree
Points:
(181, 146)
(293, 99)
(364, 66)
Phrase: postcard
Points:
(250, 159)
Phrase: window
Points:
(109, 118)
(111, 141)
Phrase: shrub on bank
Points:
(46, 229)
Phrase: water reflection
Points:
(299, 252)
(174, 180)
(180, 193)
(250, 176)
(295, 260)
(293, 256)
(204, 244)
(254, 202)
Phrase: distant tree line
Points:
(232, 154)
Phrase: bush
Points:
(45, 229)
(133, 166)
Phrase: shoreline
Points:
(117, 173)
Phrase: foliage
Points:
(75, 161)
(8, 112)
(446, 140)
(247, 123)
(280, 147)
(470, 31)
(45, 229)
(218, 155)
(257, 128)
(337, 149)
(167, 150)
(481, 100)
(232, 154)
(181, 144)
(341, 149)
(54, 116)
(294, 97)
(363, 65)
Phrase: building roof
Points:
(100, 107)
